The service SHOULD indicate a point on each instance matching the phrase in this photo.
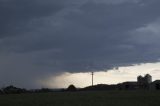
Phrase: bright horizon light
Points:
(119, 75)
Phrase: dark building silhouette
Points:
(147, 79)
(144, 82)
(127, 86)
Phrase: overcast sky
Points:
(44, 38)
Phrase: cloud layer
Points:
(39, 38)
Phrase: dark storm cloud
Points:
(40, 38)
(15, 14)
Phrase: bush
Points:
(71, 88)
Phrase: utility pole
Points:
(92, 77)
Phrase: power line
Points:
(92, 77)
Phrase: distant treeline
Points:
(15, 90)
(71, 88)
(12, 90)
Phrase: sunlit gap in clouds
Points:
(114, 76)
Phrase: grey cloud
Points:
(117, 1)
(51, 37)
(15, 14)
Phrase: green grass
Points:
(101, 98)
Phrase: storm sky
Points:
(44, 38)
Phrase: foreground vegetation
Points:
(99, 98)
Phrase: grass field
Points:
(100, 98)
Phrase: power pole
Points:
(92, 77)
